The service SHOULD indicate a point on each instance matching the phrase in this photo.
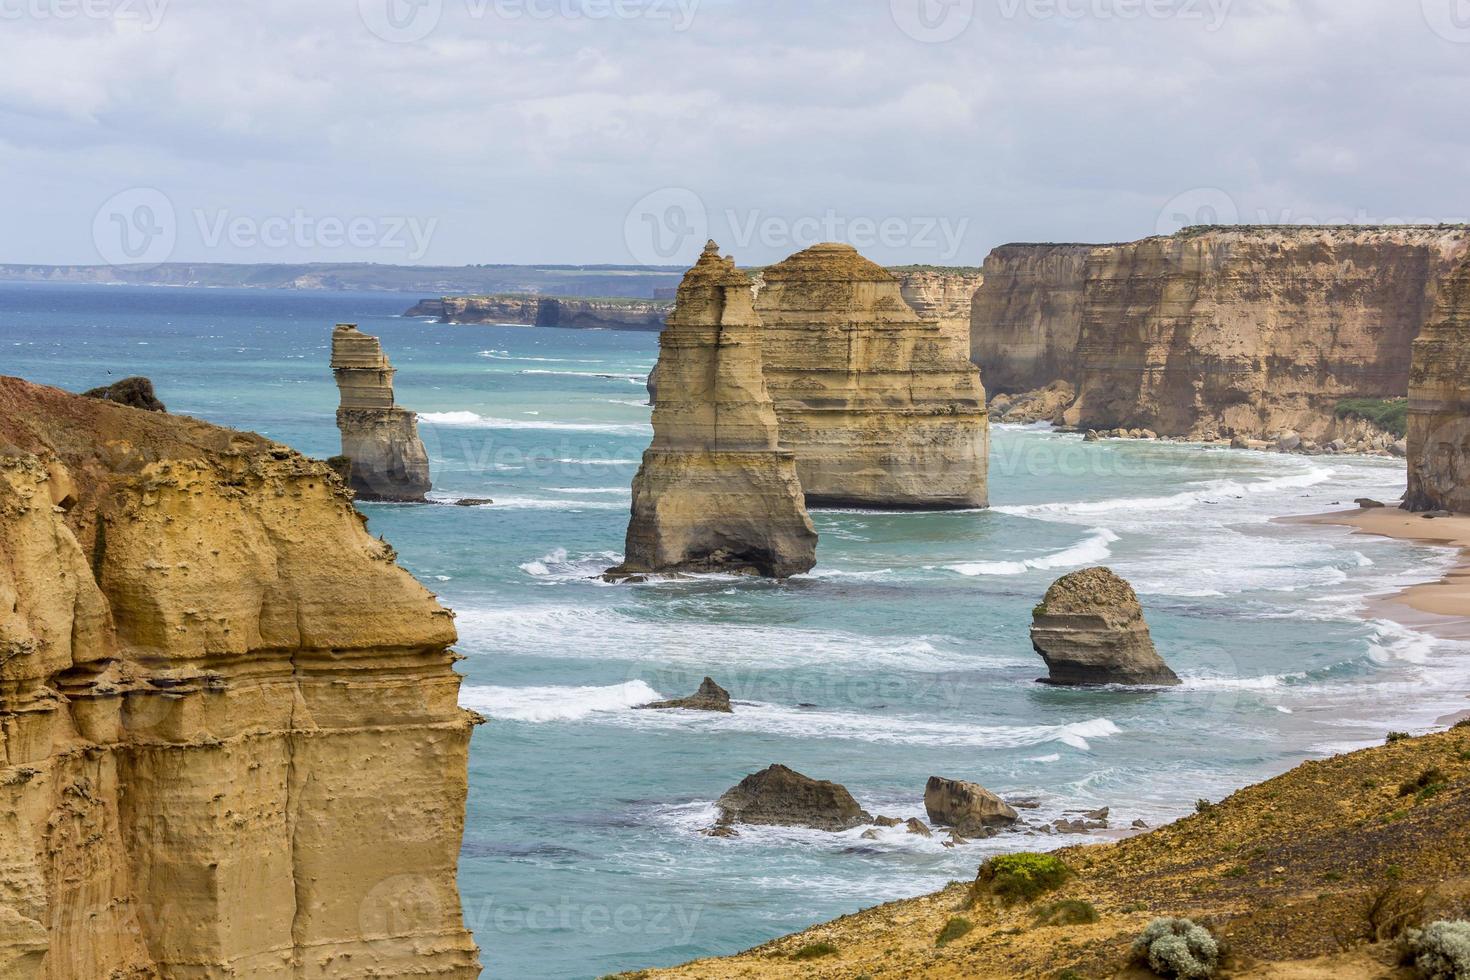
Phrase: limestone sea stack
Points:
(230, 739)
(717, 492)
(881, 406)
(1439, 404)
(380, 439)
(782, 797)
(1090, 630)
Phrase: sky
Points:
(630, 131)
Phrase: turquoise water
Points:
(904, 655)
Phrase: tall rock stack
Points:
(388, 460)
(1439, 403)
(881, 406)
(716, 491)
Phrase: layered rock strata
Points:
(778, 796)
(230, 744)
(1090, 630)
(548, 311)
(380, 439)
(1439, 404)
(716, 491)
(881, 406)
(943, 295)
(1227, 331)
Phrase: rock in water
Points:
(132, 392)
(381, 439)
(709, 697)
(968, 808)
(781, 797)
(716, 492)
(881, 406)
(231, 732)
(1439, 403)
(1090, 630)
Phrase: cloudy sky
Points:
(468, 131)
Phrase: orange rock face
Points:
(1439, 404)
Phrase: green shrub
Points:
(1022, 877)
(954, 929)
(1178, 948)
(814, 951)
(1397, 737)
(1203, 806)
(1066, 912)
(1391, 414)
(1440, 951)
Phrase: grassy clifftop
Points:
(1311, 874)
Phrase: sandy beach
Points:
(1442, 607)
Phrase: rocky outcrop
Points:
(380, 439)
(1439, 404)
(716, 492)
(1048, 404)
(709, 697)
(548, 311)
(1090, 630)
(132, 392)
(945, 296)
(969, 808)
(781, 797)
(230, 744)
(1027, 315)
(1225, 331)
(881, 406)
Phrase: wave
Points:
(538, 705)
(598, 462)
(636, 379)
(1090, 551)
(1211, 492)
(476, 421)
(619, 491)
(559, 565)
(502, 355)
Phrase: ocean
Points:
(903, 655)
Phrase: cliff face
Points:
(1027, 315)
(1246, 331)
(882, 407)
(1439, 403)
(943, 296)
(547, 311)
(229, 730)
(716, 492)
(382, 441)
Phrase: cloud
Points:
(525, 130)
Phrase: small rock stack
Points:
(1090, 630)
(379, 439)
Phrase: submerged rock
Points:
(781, 797)
(133, 392)
(388, 459)
(717, 492)
(709, 697)
(966, 808)
(1090, 630)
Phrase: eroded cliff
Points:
(716, 490)
(549, 311)
(1027, 315)
(229, 730)
(881, 406)
(1439, 403)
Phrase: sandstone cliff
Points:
(716, 491)
(1439, 404)
(1247, 331)
(388, 460)
(943, 295)
(548, 311)
(230, 744)
(881, 406)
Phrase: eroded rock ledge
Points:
(230, 744)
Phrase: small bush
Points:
(1178, 948)
(1432, 776)
(1396, 737)
(1203, 806)
(1440, 951)
(954, 929)
(1391, 414)
(1067, 912)
(814, 951)
(1022, 877)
